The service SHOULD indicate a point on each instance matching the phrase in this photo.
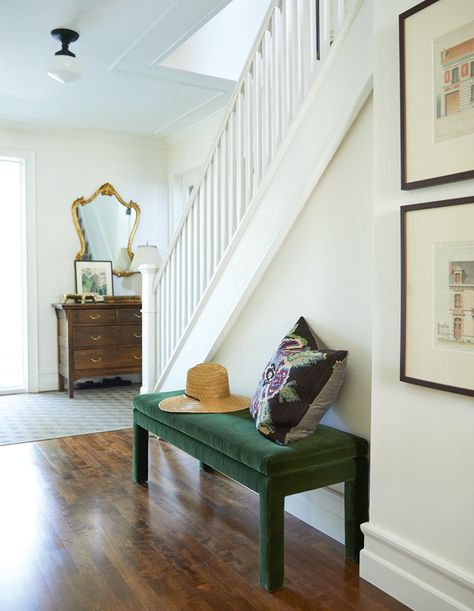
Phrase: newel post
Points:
(149, 336)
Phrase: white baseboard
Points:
(322, 509)
(415, 578)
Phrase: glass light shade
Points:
(122, 262)
(64, 68)
(145, 254)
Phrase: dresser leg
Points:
(70, 386)
(60, 382)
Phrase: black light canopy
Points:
(65, 37)
(64, 66)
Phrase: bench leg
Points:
(206, 468)
(356, 508)
(140, 454)
(271, 539)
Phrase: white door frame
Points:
(29, 250)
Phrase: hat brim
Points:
(183, 403)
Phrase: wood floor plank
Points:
(78, 534)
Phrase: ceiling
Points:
(122, 42)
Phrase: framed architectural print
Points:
(94, 277)
(437, 318)
(437, 92)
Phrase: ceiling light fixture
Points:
(64, 65)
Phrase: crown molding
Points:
(66, 132)
(181, 135)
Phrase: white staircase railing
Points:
(293, 42)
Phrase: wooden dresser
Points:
(98, 339)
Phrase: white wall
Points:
(187, 153)
(419, 541)
(69, 165)
(221, 46)
(323, 272)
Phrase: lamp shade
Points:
(122, 262)
(64, 68)
(145, 254)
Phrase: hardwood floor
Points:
(77, 534)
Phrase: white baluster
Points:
(301, 40)
(289, 68)
(231, 178)
(311, 48)
(324, 28)
(267, 85)
(182, 276)
(338, 17)
(210, 221)
(294, 56)
(149, 330)
(257, 112)
(275, 84)
(166, 315)
(217, 205)
(196, 248)
(161, 323)
(174, 289)
(223, 199)
(239, 162)
(248, 103)
(203, 239)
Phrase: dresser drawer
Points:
(100, 358)
(130, 314)
(94, 315)
(99, 336)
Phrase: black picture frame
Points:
(435, 147)
(437, 300)
(94, 277)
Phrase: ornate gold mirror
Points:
(106, 226)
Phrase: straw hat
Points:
(207, 391)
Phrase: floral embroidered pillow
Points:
(298, 386)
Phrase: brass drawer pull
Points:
(137, 335)
(96, 337)
(94, 316)
(96, 360)
(137, 315)
(137, 358)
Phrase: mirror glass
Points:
(106, 225)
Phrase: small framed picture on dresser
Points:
(94, 277)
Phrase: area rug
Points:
(48, 415)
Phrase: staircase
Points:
(306, 78)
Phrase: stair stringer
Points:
(332, 104)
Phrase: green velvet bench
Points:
(230, 444)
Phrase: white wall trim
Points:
(53, 130)
(413, 576)
(322, 509)
(29, 239)
(181, 135)
(47, 382)
(31, 268)
(189, 112)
